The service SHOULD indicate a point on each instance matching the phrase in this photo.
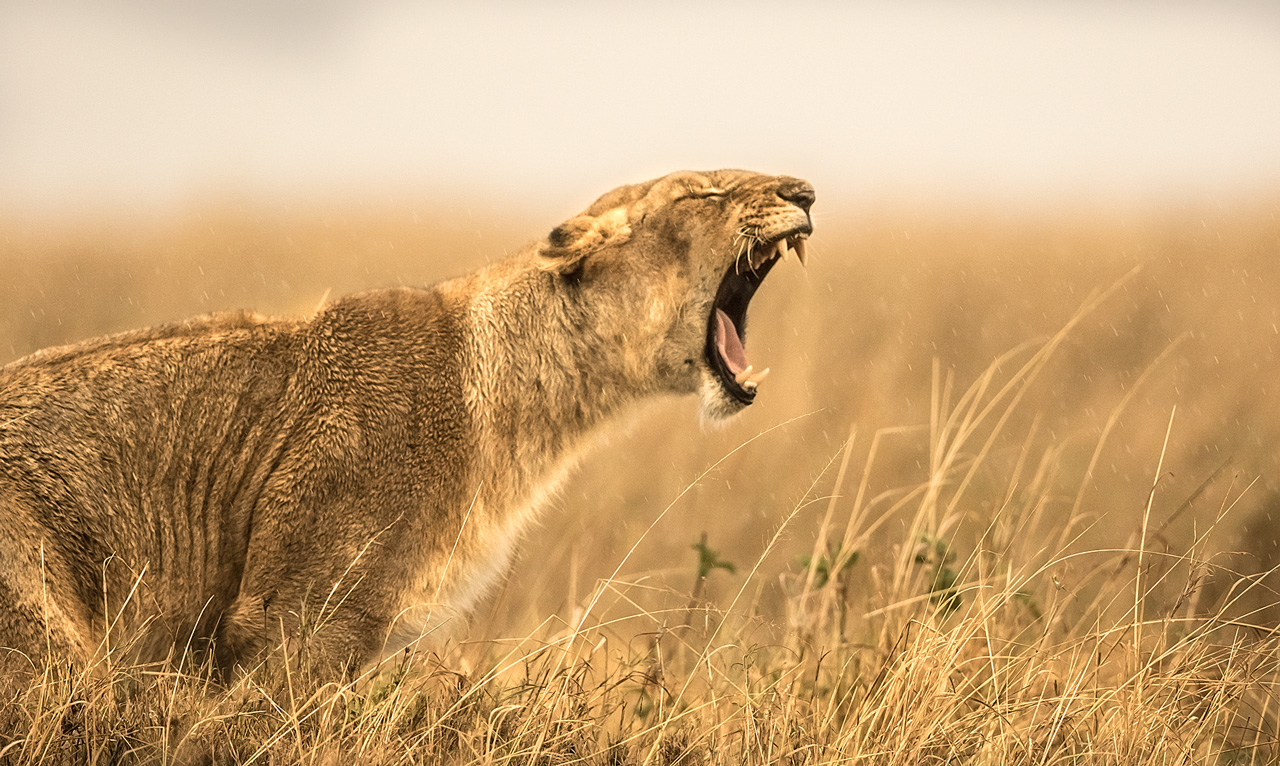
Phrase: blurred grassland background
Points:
(895, 307)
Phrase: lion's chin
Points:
(716, 406)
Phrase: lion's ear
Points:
(570, 243)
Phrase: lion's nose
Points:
(798, 193)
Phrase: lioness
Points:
(366, 471)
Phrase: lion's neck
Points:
(541, 378)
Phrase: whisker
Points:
(744, 247)
(748, 240)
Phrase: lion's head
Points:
(666, 269)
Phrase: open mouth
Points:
(727, 326)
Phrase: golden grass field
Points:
(1009, 496)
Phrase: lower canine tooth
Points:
(749, 379)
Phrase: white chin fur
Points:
(715, 405)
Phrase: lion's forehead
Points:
(673, 186)
(726, 180)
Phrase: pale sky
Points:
(155, 103)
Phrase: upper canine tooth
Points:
(801, 253)
(782, 248)
(741, 377)
(759, 376)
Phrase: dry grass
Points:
(1057, 557)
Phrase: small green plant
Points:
(379, 691)
(933, 552)
(709, 560)
(829, 566)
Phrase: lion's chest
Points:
(454, 582)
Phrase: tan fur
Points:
(367, 471)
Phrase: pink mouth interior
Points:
(729, 344)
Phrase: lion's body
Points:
(210, 455)
(366, 471)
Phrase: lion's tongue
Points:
(729, 344)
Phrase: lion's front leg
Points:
(329, 611)
(331, 638)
